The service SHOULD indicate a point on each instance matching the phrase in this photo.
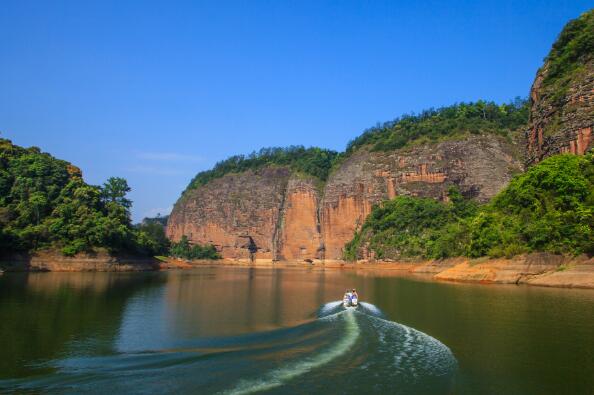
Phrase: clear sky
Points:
(155, 91)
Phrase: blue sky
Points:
(155, 91)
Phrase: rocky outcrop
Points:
(564, 127)
(562, 99)
(286, 216)
(535, 269)
(479, 165)
(299, 231)
(234, 212)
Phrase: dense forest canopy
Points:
(44, 203)
(313, 161)
(549, 208)
(410, 227)
(435, 124)
(572, 50)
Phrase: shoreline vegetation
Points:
(548, 208)
(540, 269)
(537, 269)
(45, 204)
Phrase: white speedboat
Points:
(350, 300)
(346, 301)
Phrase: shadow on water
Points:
(45, 314)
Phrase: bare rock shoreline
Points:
(539, 269)
(85, 262)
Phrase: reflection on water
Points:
(46, 315)
(239, 330)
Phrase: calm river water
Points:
(243, 330)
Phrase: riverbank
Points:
(100, 261)
(534, 269)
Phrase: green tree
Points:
(151, 236)
(183, 249)
(44, 203)
(313, 161)
(454, 121)
(115, 191)
(549, 208)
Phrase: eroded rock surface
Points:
(562, 98)
(564, 127)
(480, 166)
(291, 217)
(228, 211)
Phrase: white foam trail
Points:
(279, 376)
(330, 306)
(371, 308)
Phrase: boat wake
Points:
(290, 371)
(344, 350)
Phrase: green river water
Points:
(245, 330)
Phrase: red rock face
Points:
(228, 211)
(299, 234)
(561, 125)
(288, 218)
(480, 166)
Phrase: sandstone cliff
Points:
(562, 95)
(233, 212)
(280, 214)
(287, 216)
(479, 165)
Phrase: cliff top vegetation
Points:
(436, 124)
(430, 125)
(571, 51)
(313, 161)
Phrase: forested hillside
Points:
(45, 203)
(549, 208)
(454, 121)
(313, 161)
(573, 49)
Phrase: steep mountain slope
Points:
(562, 96)
(480, 166)
(279, 212)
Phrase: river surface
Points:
(234, 330)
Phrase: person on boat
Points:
(354, 294)
(347, 296)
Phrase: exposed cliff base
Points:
(534, 269)
(51, 261)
